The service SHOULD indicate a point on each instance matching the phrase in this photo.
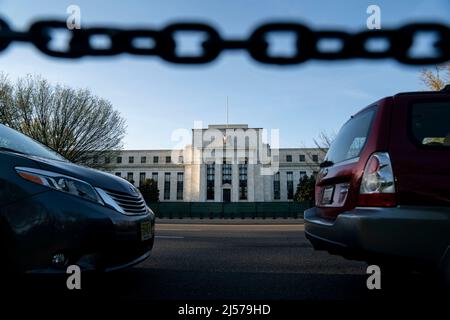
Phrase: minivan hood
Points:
(94, 177)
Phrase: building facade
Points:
(223, 163)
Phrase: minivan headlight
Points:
(60, 182)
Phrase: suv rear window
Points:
(352, 137)
(430, 123)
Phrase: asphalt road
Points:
(201, 261)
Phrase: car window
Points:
(15, 141)
(351, 138)
(430, 123)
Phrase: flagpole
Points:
(227, 112)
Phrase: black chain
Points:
(353, 45)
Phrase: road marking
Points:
(179, 229)
(169, 237)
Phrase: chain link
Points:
(352, 45)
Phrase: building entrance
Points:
(226, 195)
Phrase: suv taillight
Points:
(378, 184)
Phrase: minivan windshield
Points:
(352, 137)
(14, 141)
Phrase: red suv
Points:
(383, 191)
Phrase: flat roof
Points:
(228, 126)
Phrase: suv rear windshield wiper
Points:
(326, 163)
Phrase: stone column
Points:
(252, 183)
(161, 185)
(202, 182)
(187, 192)
(218, 183)
(234, 182)
(259, 183)
(268, 187)
(173, 185)
(296, 178)
(283, 185)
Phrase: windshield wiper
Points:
(11, 150)
(326, 163)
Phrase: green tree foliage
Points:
(305, 189)
(149, 190)
(73, 122)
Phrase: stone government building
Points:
(224, 163)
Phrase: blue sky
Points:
(157, 98)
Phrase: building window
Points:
(107, 160)
(226, 172)
(315, 158)
(180, 159)
(210, 176)
(119, 160)
(141, 178)
(180, 182)
(144, 159)
(155, 177)
(130, 177)
(302, 158)
(118, 174)
(315, 174)
(155, 159)
(243, 190)
(130, 159)
(276, 186)
(167, 186)
(302, 174)
(288, 158)
(290, 185)
(168, 159)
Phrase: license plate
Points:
(146, 230)
(327, 197)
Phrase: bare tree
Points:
(436, 79)
(324, 140)
(322, 144)
(73, 122)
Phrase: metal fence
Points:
(229, 210)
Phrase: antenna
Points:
(225, 135)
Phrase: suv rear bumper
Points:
(419, 234)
